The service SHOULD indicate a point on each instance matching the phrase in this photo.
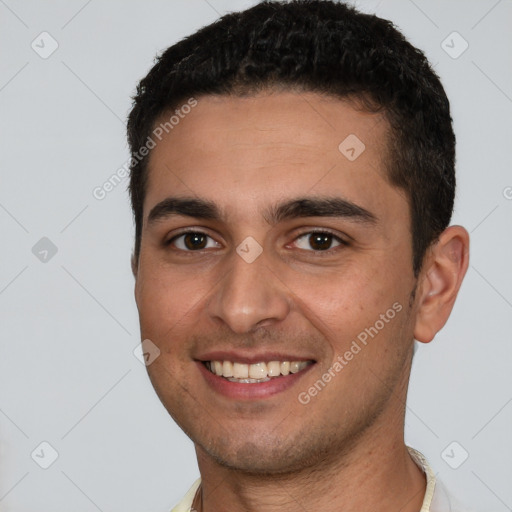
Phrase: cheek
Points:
(163, 302)
(344, 305)
(342, 298)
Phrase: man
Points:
(292, 184)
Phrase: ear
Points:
(445, 267)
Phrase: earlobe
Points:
(445, 267)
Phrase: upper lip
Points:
(250, 357)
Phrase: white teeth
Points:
(248, 381)
(258, 371)
(227, 369)
(240, 370)
(274, 369)
(217, 367)
(294, 367)
(252, 373)
(297, 366)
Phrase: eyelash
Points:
(327, 252)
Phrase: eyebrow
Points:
(292, 209)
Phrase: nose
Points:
(250, 296)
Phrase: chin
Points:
(250, 459)
(265, 455)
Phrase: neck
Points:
(376, 474)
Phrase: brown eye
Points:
(195, 241)
(192, 241)
(318, 241)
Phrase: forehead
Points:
(269, 145)
(306, 120)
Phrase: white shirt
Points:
(436, 498)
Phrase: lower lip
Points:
(240, 391)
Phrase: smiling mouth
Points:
(255, 373)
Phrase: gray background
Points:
(69, 323)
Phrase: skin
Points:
(345, 446)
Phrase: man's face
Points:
(254, 283)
